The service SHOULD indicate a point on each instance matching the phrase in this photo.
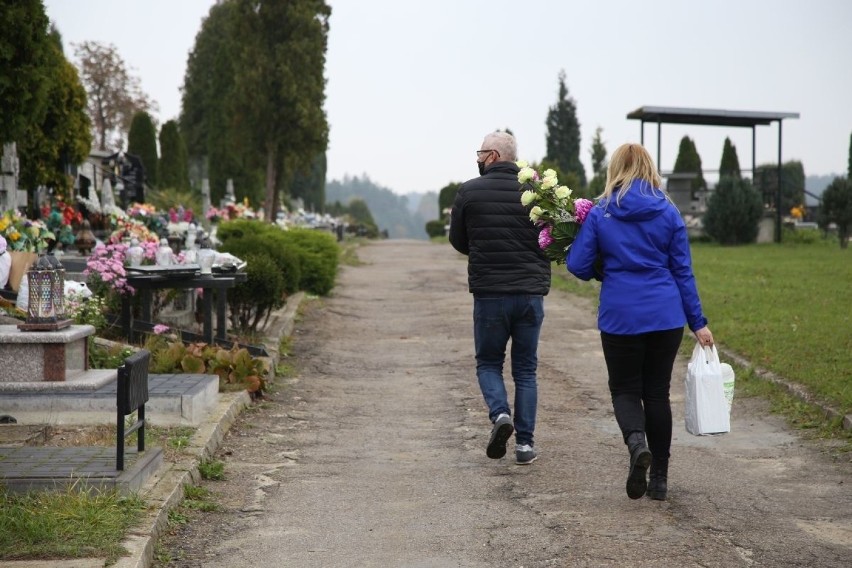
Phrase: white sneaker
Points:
(525, 454)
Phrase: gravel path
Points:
(374, 455)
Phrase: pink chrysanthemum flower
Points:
(582, 208)
(544, 238)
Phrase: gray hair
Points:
(504, 143)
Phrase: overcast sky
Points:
(414, 85)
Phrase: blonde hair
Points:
(631, 162)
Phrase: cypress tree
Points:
(563, 134)
(174, 169)
(849, 167)
(142, 142)
(689, 162)
(733, 212)
(447, 196)
(599, 164)
(25, 52)
(730, 166)
(309, 184)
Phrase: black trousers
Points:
(640, 376)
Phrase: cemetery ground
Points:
(372, 453)
(369, 451)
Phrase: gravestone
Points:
(10, 196)
(205, 197)
(230, 198)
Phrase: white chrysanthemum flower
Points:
(522, 163)
(526, 174)
(562, 192)
(528, 197)
(535, 213)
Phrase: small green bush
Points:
(802, 236)
(319, 258)
(317, 252)
(250, 302)
(733, 212)
(272, 243)
(435, 228)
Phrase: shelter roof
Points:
(710, 117)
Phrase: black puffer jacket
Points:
(490, 225)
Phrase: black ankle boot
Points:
(640, 459)
(658, 480)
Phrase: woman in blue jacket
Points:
(634, 241)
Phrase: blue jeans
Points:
(496, 319)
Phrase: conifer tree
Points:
(599, 164)
(142, 142)
(309, 184)
(689, 162)
(733, 212)
(836, 204)
(730, 165)
(174, 170)
(563, 134)
(25, 50)
(50, 147)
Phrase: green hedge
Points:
(307, 259)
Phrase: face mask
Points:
(481, 166)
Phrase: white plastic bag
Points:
(23, 300)
(706, 410)
(728, 384)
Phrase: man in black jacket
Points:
(509, 276)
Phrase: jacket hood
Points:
(641, 202)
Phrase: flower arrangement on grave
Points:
(552, 209)
(24, 234)
(240, 210)
(215, 215)
(62, 220)
(100, 216)
(130, 228)
(179, 221)
(147, 215)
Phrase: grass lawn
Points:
(786, 308)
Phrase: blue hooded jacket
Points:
(647, 283)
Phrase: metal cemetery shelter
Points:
(713, 117)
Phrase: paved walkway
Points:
(374, 455)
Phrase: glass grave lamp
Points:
(58, 285)
(46, 297)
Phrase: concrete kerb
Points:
(165, 490)
(793, 389)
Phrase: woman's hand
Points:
(704, 337)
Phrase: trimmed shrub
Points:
(253, 300)
(317, 252)
(319, 256)
(287, 259)
(435, 228)
(239, 228)
(733, 212)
